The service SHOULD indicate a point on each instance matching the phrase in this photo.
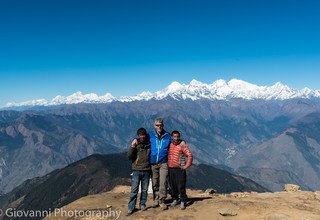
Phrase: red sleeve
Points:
(188, 153)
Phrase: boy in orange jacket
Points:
(177, 165)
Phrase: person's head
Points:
(158, 124)
(142, 133)
(175, 136)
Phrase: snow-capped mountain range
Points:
(218, 90)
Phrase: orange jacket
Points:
(176, 155)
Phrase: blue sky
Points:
(124, 47)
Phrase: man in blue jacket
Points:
(160, 142)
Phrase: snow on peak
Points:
(174, 86)
(195, 83)
(74, 98)
(220, 82)
(218, 90)
(240, 84)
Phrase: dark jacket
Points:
(140, 156)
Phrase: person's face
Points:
(159, 127)
(175, 137)
(142, 137)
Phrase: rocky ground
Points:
(203, 205)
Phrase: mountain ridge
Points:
(195, 90)
(35, 142)
(101, 173)
(299, 142)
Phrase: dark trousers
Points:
(177, 181)
(137, 178)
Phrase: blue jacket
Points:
(159, 147)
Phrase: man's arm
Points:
(132, 149)
(188, 154)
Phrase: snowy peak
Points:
(195, 83)
(174, 86)
(235, 88)
(236, 84)
(218, 90)
(74, 98)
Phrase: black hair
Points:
(141, 131)
(175, 132)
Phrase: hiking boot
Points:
(155, 204)
(130, 212)
(182, 205)
(163, 206)
(174, 203)
(143, 207)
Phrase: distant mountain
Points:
(37, 141)
(195, 90)
(203, 176)
(91, 175)
(34, 145)
(99, 173)
(292, 154)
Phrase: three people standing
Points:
(163, 147)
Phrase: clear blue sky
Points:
(52, 47)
